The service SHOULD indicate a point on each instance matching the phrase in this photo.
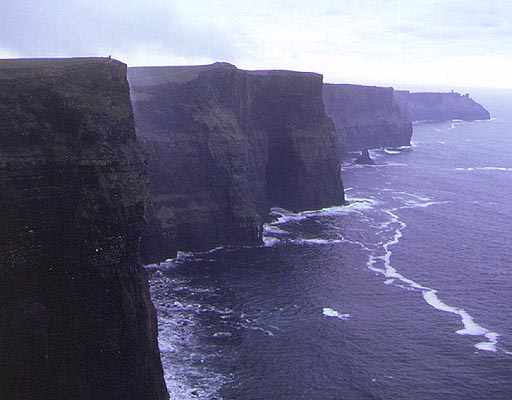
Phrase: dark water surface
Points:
(404, 294)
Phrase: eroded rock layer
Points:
(77, 319)
(366, 117)
(224, 146)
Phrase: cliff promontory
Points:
(77, 319)
(366, 117)
(440, 106)
(224, 146)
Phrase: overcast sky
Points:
(444, 43)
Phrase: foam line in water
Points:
(269, 241)
(329, 312)
(273, 230)
(381, 262)
(354, 204)
(382, 265)
(426, 204)
(484, 169)
(471, 328)
(316, 241)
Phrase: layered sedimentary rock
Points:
(77, 319)
(440, 106)
(366, 117)
(224, 146)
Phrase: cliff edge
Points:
(77, 319)
(366, 117)
(224, 146)
(440, 106)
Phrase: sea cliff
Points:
(440, 106)
(224, 146)
(366, 117)
(77, 319)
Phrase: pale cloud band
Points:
(387, 42)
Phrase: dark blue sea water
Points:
(404, 294)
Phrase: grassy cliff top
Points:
(37, 65)
(153, 76)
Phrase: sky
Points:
(400, 43)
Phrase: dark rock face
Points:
(440, 106)
(77, 319)
(224, 146)
(366, 117)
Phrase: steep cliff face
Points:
(440, 106)
(224, 146)
(366, 117)
(77, 319)
(302, 169)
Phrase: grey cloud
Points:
(38, 28)
(458, 26)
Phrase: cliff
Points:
(77, 319)
(366, 117)
(440, 106)
(224, 146)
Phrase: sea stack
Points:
(366, 117)
(77, 319)
(364, 158)
(224, 146)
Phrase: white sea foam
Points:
(329, 312)
(178, 343)
(422, 121)
(222, 334)
(285, 216)
(380, 261)
(471, 328)
(381, 264)
(269, 229)
(426, 204)
(485, 169)
(269, 241)
(317, 241)
(275, 232)
(353, 204)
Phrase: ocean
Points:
(405, 293)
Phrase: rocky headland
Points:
(77, 319)
(224, 146)
(366, 117)
(440, 106)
